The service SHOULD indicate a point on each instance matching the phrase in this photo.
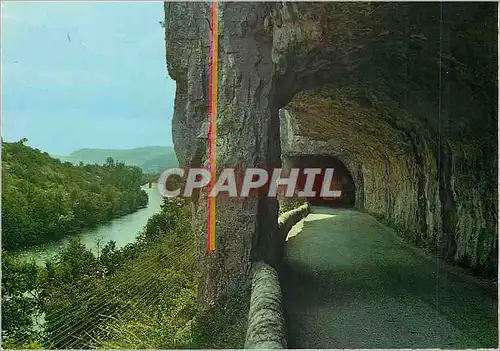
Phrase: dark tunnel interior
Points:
(341, 180)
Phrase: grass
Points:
(290, 204)
(164, 314)
(223, 326)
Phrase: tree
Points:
(110, 162)
(20, 301)
(70, 290)
(44, 199)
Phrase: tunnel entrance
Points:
(342, 180)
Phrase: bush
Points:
(289, 204)
(223, 326)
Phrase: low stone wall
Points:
(288, 219)
(266, 325)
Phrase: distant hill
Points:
(44, 199)
(151, 159)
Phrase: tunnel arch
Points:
(411, 154)
(355, 96)
(295, 146)
(341, 180)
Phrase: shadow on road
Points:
(349, 282)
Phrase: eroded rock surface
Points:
(405, 93)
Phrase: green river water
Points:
(122, 230)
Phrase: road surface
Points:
(350, 282)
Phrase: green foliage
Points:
(289, 204)
(140, 296)
(224, 325)
(112, 258)
(70, 291)
(167, 250)
(44, 200)
(150, 159)
(150, 178)
(174, 214)
(19, 302)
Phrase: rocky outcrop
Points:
(417, 182)
(246, 229)
(405, 93)
(293, 144)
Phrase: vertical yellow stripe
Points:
(215, 47)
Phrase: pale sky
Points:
(85, 74)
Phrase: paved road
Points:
(350, 282)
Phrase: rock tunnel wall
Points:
(294, 145)
(405, 94)
(438, 191)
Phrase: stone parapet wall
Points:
(266, 326)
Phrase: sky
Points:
(85, 75)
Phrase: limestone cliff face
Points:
(404, 94)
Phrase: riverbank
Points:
(123, 230)
(140, 296)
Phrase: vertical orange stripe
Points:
(213, 121)
(209, 230)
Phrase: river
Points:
(122, 230)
